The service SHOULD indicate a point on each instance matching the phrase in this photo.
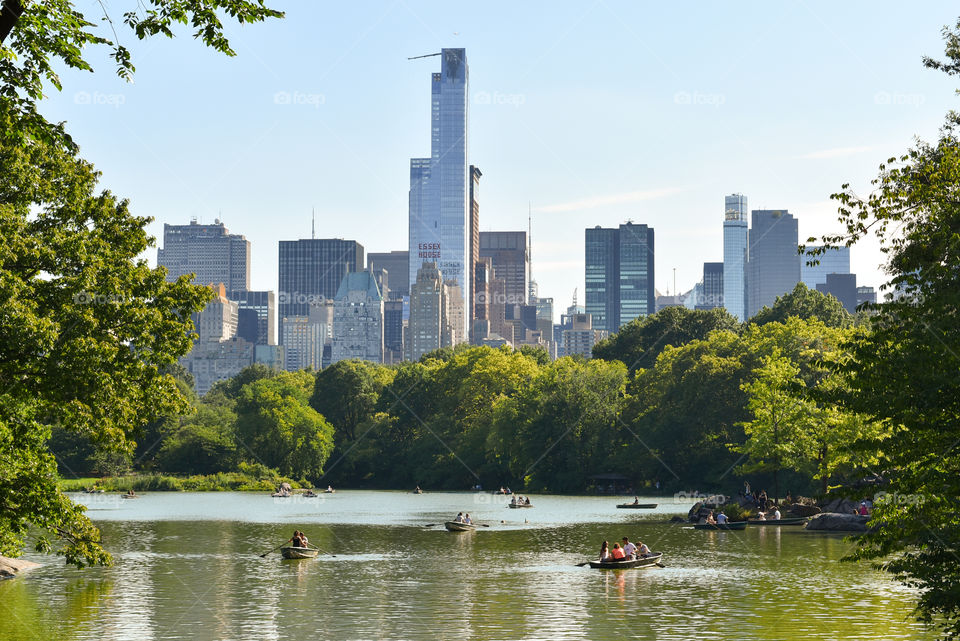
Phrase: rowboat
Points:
(291, 552)
(514, 506)
(454, 526)
(729, 525)
(800, 520)
(642, 562)
(637, 506)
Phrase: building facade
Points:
(580, 337)
(835, 260)
(311, 270)
(264, 306)
(209, 251)
(844, 288)
(773, 265)
(508, 254)
(425, 329)
(619, 266)
(439, 216)
(357, 320)
(735, 255)
(397, 265)
(711, 294)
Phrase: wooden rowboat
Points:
(514, 506)
(454, 526)
(637, 506)
(643, 562)
(729, 525)
(800, 520)
(291, 552)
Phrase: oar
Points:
(274, 549)
(319, 550)
(580, 565)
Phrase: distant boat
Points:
(642, 562)
(729, 525)
(281, 495)
(291, 552)
(455, 526)
(637, 506)
(417, 491)
(514, 506)
(800, 520)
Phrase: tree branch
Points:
(9, 15)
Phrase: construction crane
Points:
(425, 56)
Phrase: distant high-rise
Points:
(619, 275)
(357, 320)
(507, 251)
(843, 287)
(835, 260)
(735, 255)
(425, 330)
(773, 265)
(397, 264)
(712, 295)
(263, 305)
(209, 251)
(392, 331)
(439, 215)
(311, 270)
(866, 294)
(475, 309)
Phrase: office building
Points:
(311, 270)
(580, 337)
(843, 287)
(257, 311)
(835, 260)
(475, 304)
(619, 265)
(392, 331)
(439, 208)
(735, 255)
(397, 266)
(425, 329)
(773, 264)
(710, 293)
(508, 254)
(866, 294)
(210, 252)
(218, 353)
(357, 320)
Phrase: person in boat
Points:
(636, 500)
(130, 492)
(643, 550)
(710, 519)
(761, 516)
(863, 511)
(330, 489)
(467, 520)
(721, 518)
(604, 552)
(629, 549)
(297, 540)
(789, 499)
(459, 518)
(776, 514)
(617, 553)
(513, 501)
(527, 501)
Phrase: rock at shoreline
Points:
(801, 509)
(834, 522)
(10, 568)
(843, 506)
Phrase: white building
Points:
(358, 319)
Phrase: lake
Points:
(187, 566)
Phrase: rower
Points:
(636, 500)
(721, 518)
(466, 519)
(459, 518)
(629, 549)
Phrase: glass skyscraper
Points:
(833, 261)
(773, 268)
(439, 189)
(735, 256)
(619, 275)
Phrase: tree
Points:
(347, 392)
(904, 371)
(37, 36)
(639, 342)
(86, 327)
(277, 426)
(805, 303)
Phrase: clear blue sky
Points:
(593, 112)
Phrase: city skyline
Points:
(701, 137)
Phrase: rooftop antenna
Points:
(674, 281)
(426, 55)
(574, 299)
(313, 224)
(529, 252)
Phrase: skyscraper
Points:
(358, 319)
(263, 304)
(311, 270)
(712, 294)
(439, 192)
(834, 261)
(619, 275)
(397, 264)
(843, 287)
(475, 310)
(773, 266)
(209, 251)
(507, 251)
(735, 235)
(425, 331)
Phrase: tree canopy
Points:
(807, 304)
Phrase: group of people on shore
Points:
(626, 552)
(519, 500)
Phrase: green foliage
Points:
(346, 394)
(807, 304)
(639, 342)
(904, 371)
(86, 326)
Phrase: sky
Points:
(590, 113)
